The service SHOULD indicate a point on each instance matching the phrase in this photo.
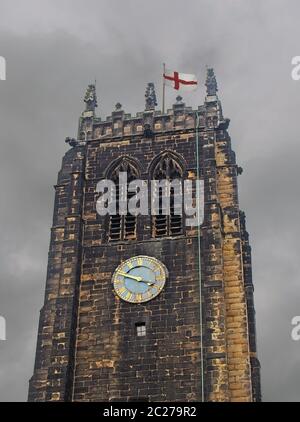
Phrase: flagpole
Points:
(164, 89)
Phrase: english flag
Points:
(183, 81)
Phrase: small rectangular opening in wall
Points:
(140, 329)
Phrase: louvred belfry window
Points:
(123, 227)
(164, 225)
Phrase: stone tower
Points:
(195, 340)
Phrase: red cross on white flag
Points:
(182, 81)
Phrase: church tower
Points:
(144, 307)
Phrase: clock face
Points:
(139, 279)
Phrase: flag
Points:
(183, 81)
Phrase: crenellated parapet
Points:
(179, 117)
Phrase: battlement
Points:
(122, 124)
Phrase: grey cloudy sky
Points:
(55, 48)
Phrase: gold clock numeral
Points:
(147, 295)
(128, 296)
(140, 261)
(122, 290)
(118, 281)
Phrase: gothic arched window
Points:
(122, 227)
(170, 224)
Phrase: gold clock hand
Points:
(136, 278)
(130, 276)
(150, 283)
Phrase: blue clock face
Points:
(139, 279)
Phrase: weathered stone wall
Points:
(87, 346)
(247, 265)
(54, 364)
(112, 363)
